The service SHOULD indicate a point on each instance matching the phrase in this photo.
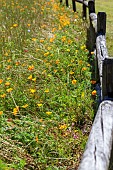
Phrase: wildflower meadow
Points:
(47, 91)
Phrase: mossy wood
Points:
(97, 155)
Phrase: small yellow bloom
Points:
(30, 68)
(39, 104)
(41, 41)
(64, 126)
(57, 61)
(28, 25)
(46, 54)
(48, 113)
(33, 39)
(9, 60)
(7, 83)
(46, 91)
(84, 69)
(82, 95)
(6, 54)
(34, 79)
(15, 25)
(9, 90)
(3, 95)
(24, 106)
(94, 92)
(71, 72)
(74, 82)
(30, 77)
(63, 38)
(1, 112)
(1, 81)
(83, 47)
(36, 138)
(32, 90)
(15, 110)
(8, 67)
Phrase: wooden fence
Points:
(98, 154)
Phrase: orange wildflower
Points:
(94, 92)
(31, 68)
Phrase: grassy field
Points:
(46, 87)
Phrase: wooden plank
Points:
(99, 146)
(67, 4)
(84, 10)
(74, 5)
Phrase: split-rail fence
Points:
(98, 154)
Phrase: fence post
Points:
(101, 23)
(84, 10)
(91, 5)
(67, 4)
(60, 1)
(74, 5)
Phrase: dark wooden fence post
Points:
(91, 6)
(101, 23)
(60, 1)
(74, 5)
(67, 4)
(84, 10)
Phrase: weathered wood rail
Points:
(98, 154)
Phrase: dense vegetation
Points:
(46, 103)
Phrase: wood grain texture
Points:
(98, 149)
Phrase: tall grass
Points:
(45, 86)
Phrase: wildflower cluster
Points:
(45, 85)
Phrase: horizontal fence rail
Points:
(98, 154)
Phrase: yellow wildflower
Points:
(57, 61)
(64, 126)
(83, 47)
(1, 112)
(3, 95)
(46, 91)
(30, 77)
(32, 90)
(15, 110)
(36, 138)
(34, 79)
(48, 113)
(9, 90)
(15, 25)
(41, 41)
(84, 69)
(71, 72)
(24, 106)
(1, 81)
(94, 92)
(28, 25)
(30, 68)
(33, 39)
(39, 104)
(46, 54)
(8, 67)
(63, 38)
(74, 82)
(6, 54)
(7, 83)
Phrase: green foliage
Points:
(45, 86)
